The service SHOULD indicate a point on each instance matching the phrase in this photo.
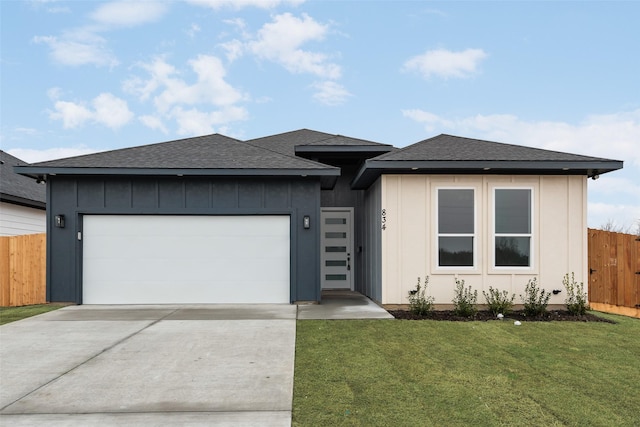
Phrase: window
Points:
(512, 240)
(456, 227)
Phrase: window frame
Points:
(474, 235)
(530, 235)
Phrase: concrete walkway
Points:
(224, 365)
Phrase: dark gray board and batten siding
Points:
(76, 196)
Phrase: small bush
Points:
(499, 302)
(576, 301)
(419, 302)
(535, 300)
(464, 301)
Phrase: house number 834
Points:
(384, 219)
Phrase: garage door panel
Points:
(186, 259)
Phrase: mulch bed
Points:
(486, 316)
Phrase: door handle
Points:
(348, 262)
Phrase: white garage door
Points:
(185, 259)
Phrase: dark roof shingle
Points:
(18, 188)
(204, 152)
(456, 148)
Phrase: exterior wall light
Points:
(306, 222)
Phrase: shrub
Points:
(576, 301)
(464, 301)
(535, 300)
(499, 302)
(419, 302)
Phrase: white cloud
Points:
(154, 123)
(193, 30)
(108, 110)
(54, 93)
(72, 115)
(239, 4)
(111, 111)
(445, 63)
(175, 99)
(330, 93)
(625, 216)
(194, 122)
(79, 48)
(280, 41)
(234, 49)
(33, 156)
(209, 88)
(129, 13)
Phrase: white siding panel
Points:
(186, 259)
(16, 220)
(409, 241)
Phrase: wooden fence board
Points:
(23, 270)
(614, 271)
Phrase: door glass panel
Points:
(335, 220)
(335, 235)
(335, 276)
(335, 249)
(335, 263)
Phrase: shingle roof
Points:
(16, 188)
(287, 142)
(449, 147)
(204, 152)
(458, 155)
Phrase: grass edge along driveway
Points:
(429, 373)
(12, 314)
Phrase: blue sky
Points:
(80, 77)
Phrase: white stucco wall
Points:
(16, 220)
(409, 240)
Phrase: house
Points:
(22, 200)
(278, 219)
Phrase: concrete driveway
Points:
(149, 365)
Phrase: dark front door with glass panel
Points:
(337, 248)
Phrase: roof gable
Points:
(15, 188)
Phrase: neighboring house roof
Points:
(205, 155)
(454, 154)
(310, 143)
(19, 189)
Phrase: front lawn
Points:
(11, 314)
(431, 373)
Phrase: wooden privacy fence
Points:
(614, 272)
(23, 270)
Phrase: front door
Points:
(337, 248)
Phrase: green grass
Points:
(429, 373)
(11, 314)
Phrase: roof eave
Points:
(17, 200)
(381, 149)
(39, 172)
(372, 169)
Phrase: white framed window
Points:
(456, 228)
(513, 227)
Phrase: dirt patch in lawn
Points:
(485, 316)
